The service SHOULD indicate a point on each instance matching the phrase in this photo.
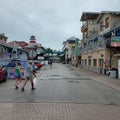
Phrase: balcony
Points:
(83, 41)
(115, 24)
(84, 27)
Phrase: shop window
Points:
(94, 62)
(89, 62)
(100, 62)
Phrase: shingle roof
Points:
(89, 16)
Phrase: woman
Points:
(18, 75)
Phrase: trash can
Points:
(112, 74)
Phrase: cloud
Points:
(51, 21)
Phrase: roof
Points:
(89, 16)
(11, 47)
(3, 35)
(32, 45)
(22, 43)
(71, 38)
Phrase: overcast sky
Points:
(50, 21)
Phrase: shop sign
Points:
(115, 41)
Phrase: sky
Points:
(50, 21)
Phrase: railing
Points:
(84, 25)
(93, 47)
(116, 24)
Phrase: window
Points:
(107, 22)
(82, 62)
(101, 26)
(89, 62)
(94, 62)
(85, 61)
(100, 62)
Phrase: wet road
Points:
(62, 94)
(61, 84)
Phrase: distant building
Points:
(3, 38)
(35, 49)
(69, 48)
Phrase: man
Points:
(28, 74)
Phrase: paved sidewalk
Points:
(114, 83)
(58, 111)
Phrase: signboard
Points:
(11, 73)
(115, 41)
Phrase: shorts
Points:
(28, 78)
(18, 76)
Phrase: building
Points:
(3, 38)
(100, 40)
(69, 48)
(35, 49)
(10, 51)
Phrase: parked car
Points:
(42, 62)
(3, 74)
(37, 64)
(11, 64)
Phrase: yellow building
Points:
(69, 48)
(100, 49)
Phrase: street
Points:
(61, 94)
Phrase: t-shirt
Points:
(17, 71)
(28, 71)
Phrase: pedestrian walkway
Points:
(55, 110)
(58, 111)
(114, 83)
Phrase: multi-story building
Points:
(71, 50)
(100, 41)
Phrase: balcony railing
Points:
(116, 24)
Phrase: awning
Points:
(116, 55)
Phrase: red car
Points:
(38, 65)
(3, 74)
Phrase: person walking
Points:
(17, 75)
(50, 62)
(28, 74)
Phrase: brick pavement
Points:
(64, 110)
(58, 111)
(114, 83)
